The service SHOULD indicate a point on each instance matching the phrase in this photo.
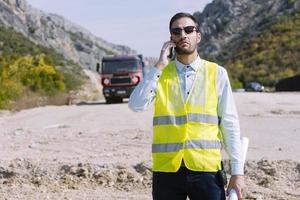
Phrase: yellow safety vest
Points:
(188, 129)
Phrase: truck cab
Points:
(120, 75)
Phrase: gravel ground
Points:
(100, 151)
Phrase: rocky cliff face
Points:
(53, 31)
(224, 24)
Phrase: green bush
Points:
(29, 73)
(39, 76)
(72, 82)
(25, 66)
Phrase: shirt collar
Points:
(194, 65)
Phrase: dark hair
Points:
(181, 15)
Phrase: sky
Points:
(141, 25)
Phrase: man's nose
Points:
(183, 34)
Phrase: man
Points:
(194, 113)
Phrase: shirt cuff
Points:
(237, 169)
(153, 74)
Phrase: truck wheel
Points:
(117, 100)
(114, 100)
(120, 100)
(108, 100)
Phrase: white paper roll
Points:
(233, 195)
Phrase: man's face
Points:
(185, 36)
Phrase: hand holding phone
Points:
(165, 52)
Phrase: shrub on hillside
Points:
(31, 73)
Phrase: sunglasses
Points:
(187, 30)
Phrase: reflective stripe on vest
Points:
(189, 144)
(194, 117)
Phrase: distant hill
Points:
(255, 40)
(53, 31)
(28, 68)
(42, 56)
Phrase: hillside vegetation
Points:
(270, 55)
(27, 67)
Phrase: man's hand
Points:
(165, 51)
(236, 182)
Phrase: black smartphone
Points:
(172, 53)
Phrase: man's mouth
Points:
(183, 43)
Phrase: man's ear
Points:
(198, 37)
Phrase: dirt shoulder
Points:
(100, 151)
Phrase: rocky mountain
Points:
(255, 40)
(53, 31)
(226, 23)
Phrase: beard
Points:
(183, 51)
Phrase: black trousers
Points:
(186, 183)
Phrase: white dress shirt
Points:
(144, 94)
